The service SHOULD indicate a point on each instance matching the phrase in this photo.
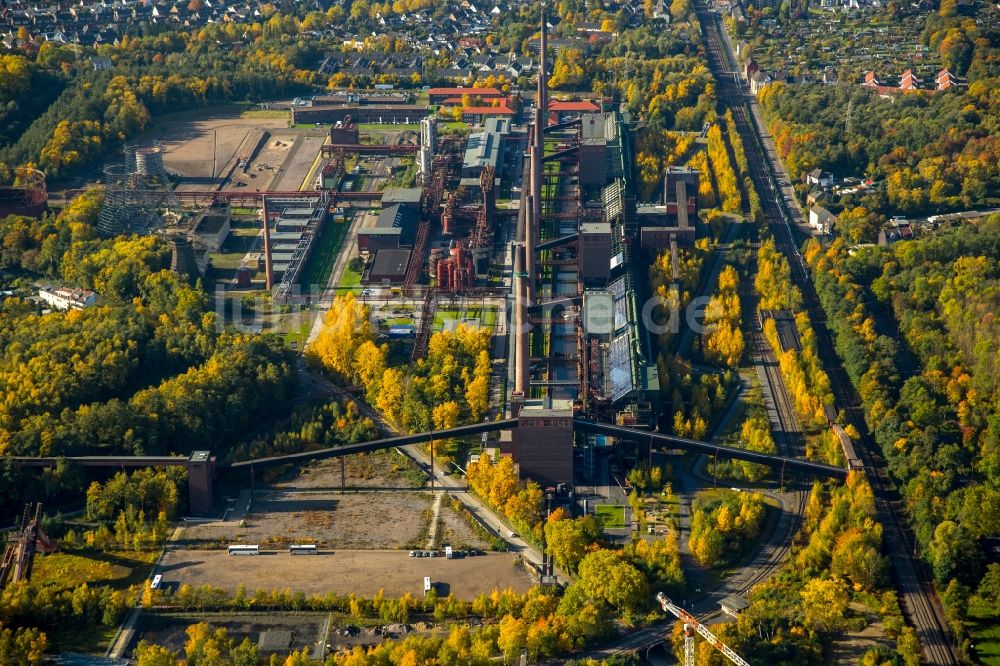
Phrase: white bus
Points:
(155, 585)
(244, 550)
(302, 549)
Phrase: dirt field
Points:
(387, 519)
(380, 469)
(193, 147)
(198, 146)
(363, 572)
(297, 163)
(454, 531)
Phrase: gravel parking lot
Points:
(363, 572)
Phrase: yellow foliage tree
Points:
(345, 328)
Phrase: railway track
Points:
(916, 592)
(788, 439)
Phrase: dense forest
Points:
(916, 327)
(927, 152)
(148, 370)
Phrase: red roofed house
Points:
(908, 81)
(945, 79)
(562, 110)
(477, 114)
(871, 81)
(438, 95)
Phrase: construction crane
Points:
(691, 622)
(19, 555)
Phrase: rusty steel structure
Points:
(26, 196)
(252, 199)
(380, 149)
(482, 235)
(22, 544)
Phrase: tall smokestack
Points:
(268, 266)
(543, 79)
(537, 152)
(531, 222)
(520, 323)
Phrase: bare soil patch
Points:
(381, 519)
(454, 531)
(363, 572)
(380, 469)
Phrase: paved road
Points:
(347, 252)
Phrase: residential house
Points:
(820, 178)
(64, 298)
(821, 219)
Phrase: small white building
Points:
(734, 605)
(823, 179)
(64, 298)
(821, 219)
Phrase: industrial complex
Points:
(533, 211)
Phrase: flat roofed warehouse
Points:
(374, 113)
(389, 266)
(395, 227)
(483, 148)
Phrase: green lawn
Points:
(349, 281)
(67, 570)
(487, 316)
(227, 261)
(984, 630)
(81, 638)
(324, 255)
(300, 334)
(266, 113)
(380, 127)
(612, 514)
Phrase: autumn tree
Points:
(568, 71)
(606, 576)
(824, 604)
(345, 329)
(723, 341)
(567, 540)
(21, 645)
